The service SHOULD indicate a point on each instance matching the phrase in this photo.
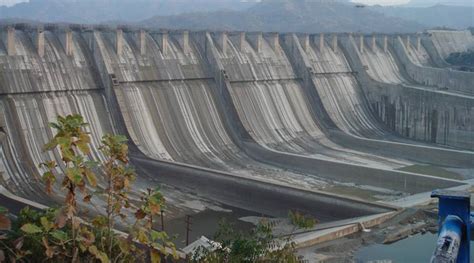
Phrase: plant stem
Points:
(109, 208)
(8, 248)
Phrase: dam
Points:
(266, 122)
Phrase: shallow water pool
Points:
(415, 249)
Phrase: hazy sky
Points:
(382, 2)
(11, 2)
(369, 2)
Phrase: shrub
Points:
(59, 235)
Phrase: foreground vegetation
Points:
(60, 235)
(260, 245)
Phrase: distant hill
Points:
(96, 11)
(458, 17)
(290, 16)
(252, 15)
(428, 3)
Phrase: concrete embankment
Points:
(345, 228)
(256, 195)
(14, 203)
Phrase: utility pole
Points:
(188, 228)
(162, 221)
(151, 217)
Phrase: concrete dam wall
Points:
(38, 84)
(407, 107)
(450, 80)
(447, 42)
(226, 113)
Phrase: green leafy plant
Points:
(73, 143)
(300, 220)
(118, 177)
(59, 235)
(259, 245)
(158, 243)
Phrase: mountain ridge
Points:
(290, 16)
(309, 16)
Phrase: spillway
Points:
(447, 42)
(338, 89)
(418, 53)
(29, 115)
(25, 72)
(167, 97)
(226, 118)
(172, 115)
(415, 109)
(381, 64)
(273, 107)
(35, 90)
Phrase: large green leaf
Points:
(142, 237)
(74, 174)
(155, 257)
(83, 147)
(59, 235)
(91, 177)
(155, 235)
(49, 177)
(47, 225)
(64, 141)
(50, 145)
(99, 254)
(31, 229)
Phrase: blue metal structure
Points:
(454, 219)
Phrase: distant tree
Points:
(471, 29)
(260, 245)
(463, 60)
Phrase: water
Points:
(415, 249)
